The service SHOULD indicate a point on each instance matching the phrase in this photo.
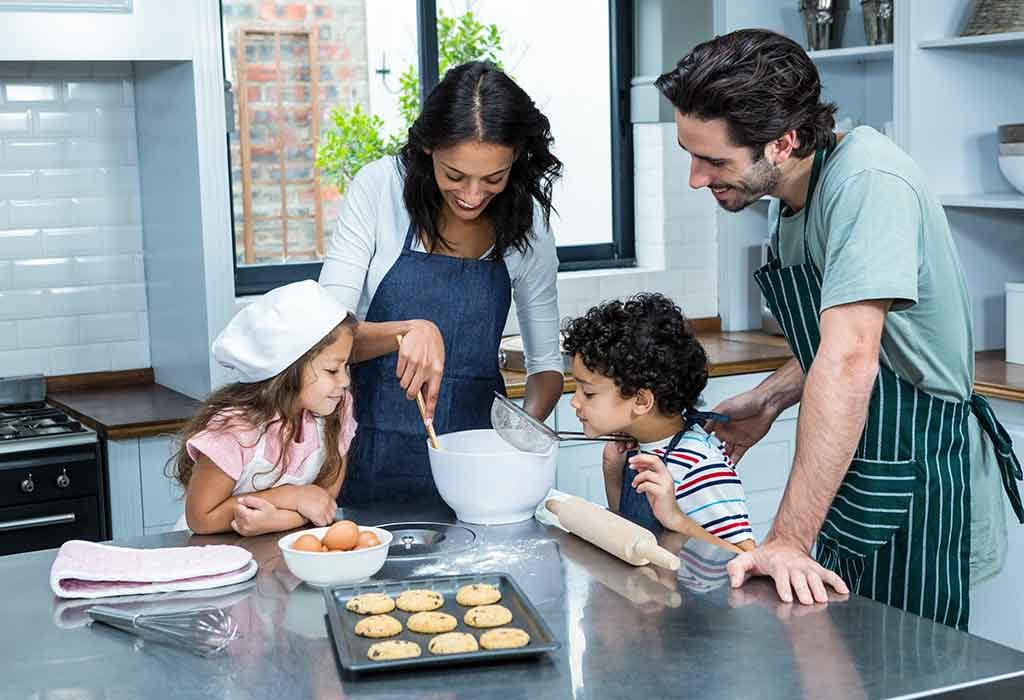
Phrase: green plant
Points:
(356, 138)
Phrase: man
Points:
(866, 283)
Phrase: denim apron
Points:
(634, 505)
(898, 529)
(468, 300)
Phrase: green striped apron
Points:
(898, 529)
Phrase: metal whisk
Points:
(205, 631)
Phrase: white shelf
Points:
(1004, 39)
(882, 52)
(1007, 200)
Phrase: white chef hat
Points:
(271, 333)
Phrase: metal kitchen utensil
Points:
(204, 631)
(524, 432)
(422, 540)
(352, 649)
(823, 22)
(877, 21)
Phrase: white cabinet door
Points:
(125, 488)
(162, 497)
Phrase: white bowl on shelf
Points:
(337, 567)
(486, 481)
(1012, 168)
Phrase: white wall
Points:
(72, 293)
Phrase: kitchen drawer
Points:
(48, 525)
(762, 506)
(579, 472)
(767, 464)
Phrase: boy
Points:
(639, 370)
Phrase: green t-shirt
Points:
(877, 232)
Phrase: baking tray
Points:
(352, 648)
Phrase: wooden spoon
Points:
(423, 412)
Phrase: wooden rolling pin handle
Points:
(657, 555)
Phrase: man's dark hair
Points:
(642, 343)
(761, 83)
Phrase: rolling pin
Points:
(611, 532)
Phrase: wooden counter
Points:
(129, 405)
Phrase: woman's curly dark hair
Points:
(642, 343)
(477, 102)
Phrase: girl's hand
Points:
(254, 516)
(316, 505)
(421, 363)
(654, 481)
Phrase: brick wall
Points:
(340, 27)
(72, 292)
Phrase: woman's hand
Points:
(315, 505)
(421, 363)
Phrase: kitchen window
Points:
(318, 88)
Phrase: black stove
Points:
(36, 420)
(52, 482)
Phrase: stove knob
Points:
(27, 485)
(63, 481)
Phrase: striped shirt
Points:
(708, 489)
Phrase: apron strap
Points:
(1009, 465)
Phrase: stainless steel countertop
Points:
(626, 633)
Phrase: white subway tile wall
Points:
(676, 237)
(72, 281)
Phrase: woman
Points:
(432, 245)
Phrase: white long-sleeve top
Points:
(369, 238)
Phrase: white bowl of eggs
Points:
(341, 553)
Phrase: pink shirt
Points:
(233, 447)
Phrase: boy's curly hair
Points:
(642, 343)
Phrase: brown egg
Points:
(367, 539)
(307, 543)
(342, 535)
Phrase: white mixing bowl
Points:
(335, 568)
(486, 481)
(1013, 170)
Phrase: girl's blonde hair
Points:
(261, 405)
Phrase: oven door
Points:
(47, 525)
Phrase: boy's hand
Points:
(316, 505)
(614, 456)
(654, 481)
(253, 516)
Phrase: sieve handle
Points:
(566, 435)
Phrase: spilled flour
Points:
(489, 557)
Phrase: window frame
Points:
(620, 252)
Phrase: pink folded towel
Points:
(91, 570)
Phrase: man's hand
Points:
(750, 419)
(792, 570)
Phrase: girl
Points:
(267, 453)
(433, 244)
